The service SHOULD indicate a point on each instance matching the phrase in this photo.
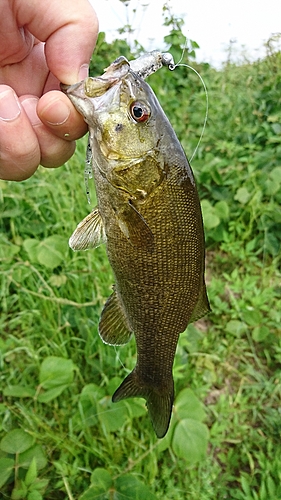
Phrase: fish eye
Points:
(140, 112)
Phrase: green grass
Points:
(51, 299)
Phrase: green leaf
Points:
(55, 375)
(216, 176)
(272, 244)
(55, 371)
(14, 212)
(34, 495)
(8, 250)
(19, 492)
(31, 246)
(276, 127)
(236, 327)
(39, 484)
(93, 392)
(273, 118)
(272, 187)
(275, 175)
(16, 441)
(51, 251)
(6, 468)
(129, 487)
(101, 483)
(126, 487)
(136, 407)
(3, 408)
(18, 391)
(193, 338)
(263, 495)
(242, 195)
(206, 206)
(35, 452)
(94, 493)
(260, 333)
(252, 317)
(194, 44)
(222, 210)
(101, 478)
(51, 394)
(210, 218)
(90, 394)
(245, 485)
(187, 405)
(190, 440)
(271, 487)
(112, 417)
(250, 246)
(31, 473)
(165, 443)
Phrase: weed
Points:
(60, 435)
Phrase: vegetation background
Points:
(60, 435)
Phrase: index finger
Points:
(69, 28)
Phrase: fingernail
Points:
(29, 106)
(83, 71)
(57, 112)
(9, 105)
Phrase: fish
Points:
(149, 216)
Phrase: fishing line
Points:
(206, 96)
(118, 358)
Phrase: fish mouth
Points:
(95, 89)
(92, 94)
(76, 93)
(77, 89)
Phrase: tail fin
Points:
(159, 400)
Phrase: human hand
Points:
(38, 123)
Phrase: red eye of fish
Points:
(139, 111)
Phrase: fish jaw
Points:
(93, 97)
(84, 94)
(79, 99)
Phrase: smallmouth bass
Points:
(149, 215)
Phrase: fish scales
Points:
(149, 214)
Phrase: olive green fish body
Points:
(150, 213)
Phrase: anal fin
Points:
(114, 328)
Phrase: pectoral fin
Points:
(89, 233)
(135, 228)
(114, 328)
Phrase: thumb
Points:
(69, 28)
